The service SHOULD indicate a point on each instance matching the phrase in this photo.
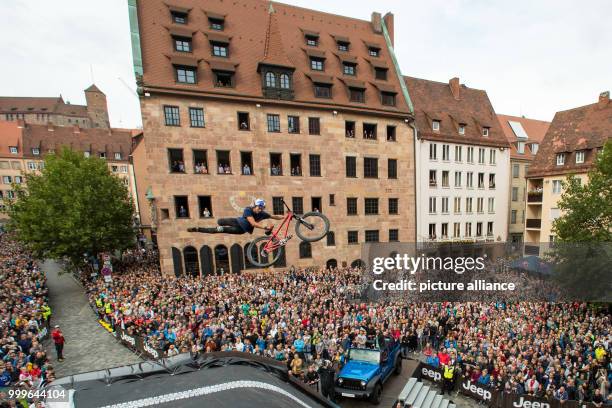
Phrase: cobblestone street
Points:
(88, 346)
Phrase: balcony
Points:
(534, 197)
(534, 223)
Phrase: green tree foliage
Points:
(74, 206)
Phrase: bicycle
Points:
(266, 250)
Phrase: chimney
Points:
(376, 22)
(454, 86)
(389, 23)
(21, 124)
(604, 99)
(76, 129)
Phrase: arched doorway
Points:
(237, 258)
(331, 264)
(222, 265)
(177, 261)
(206, 260)
(357, 263)
(192, 267)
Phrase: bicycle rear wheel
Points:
(312, 226)
(258, 257)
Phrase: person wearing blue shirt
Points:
(252, 218)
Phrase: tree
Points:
(74, 206)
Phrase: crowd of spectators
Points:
(305, 318)
(24, 319)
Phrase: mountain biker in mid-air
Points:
(252, 218)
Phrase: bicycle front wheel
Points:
(312, 226)
(259, 257)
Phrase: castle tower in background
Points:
(97, 108)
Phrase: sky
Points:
(533, 57)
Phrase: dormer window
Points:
(580, 157)
(435, 125)
(387, 98)
(520, 147)
(348, 68)
(13, 149)
(179, 17)
(534, 148)
(322, 91)
(224, 79)
(462, 129)
(560, 159)
(381, 73)
(219, 49)
(185, 75)
(317, 64)
(277, 83)
(374, 51)
(357, 95)
(343, 46)
(485, 131)
(216, 23)
(312, 40)
(182, 44)
(103, 155)
(35, 151)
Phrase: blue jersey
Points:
(248, 212)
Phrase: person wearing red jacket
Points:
(58, 340)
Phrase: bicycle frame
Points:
(274, 243)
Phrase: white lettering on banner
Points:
(530, 404)
(434, 375)
(473, 388)
(128, 339)
(150, 350)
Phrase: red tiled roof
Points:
(584, 128)
(535, 129)
(260, 37)
(10, 135)
(434, 101)
(21, 104)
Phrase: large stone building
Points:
(462, 163)
(43, 110)
(570, 147)
(247, 99)
(525, 136)
(23, 147)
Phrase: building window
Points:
(181, 206)
(348, 68)
(468, 229)
(117, 156)
(182, 44)
(172, 116)
(343, 46)
(479, 229)
(276, 164)
(216, 23)
(470, 155)
(491, 181)
(331, 238)
(370, 167)
(332, 199)
(560, 159)
(374, 51)
(351, 206)
(175, 161)
(458, 179)
(490, 229)
(316, 204)
(491, 205)
(445, 178)
(86, 153)
(353, 237)
(444, 232)
(224, 79)
(7, 179)
(480, 205)
(220, 50)
(185, 75)
(468, 205)
(273, 123)
(481, 156)
(432, 231)
(381, 73)
(392, 168)
(196, 117)
(470, 180)
(445, 152)
(246, 163)
(32, 166)
(351, 166)
(178, 17)
(315, 165)
(480, 180)
(356, 95)
(580, 156)
(102, 155)
(456, 230)
(312, 40)
(458, 152)
(485, 131)
(433, 151)
(435, 125)
(556, 186)
(393, 235)
(372, 236)
(317, 64)
(244, 122)
(432, 205)
(433, 179)
(391, 137)
(314, 126)
(462, 129)
(520, 147)
(371, 206)
(513, 217)
(277, 206)
(492, 156)
(305, 250)
(515, 170)
(270, 79)
(349, 129)
(322, 91)
(393, 206)
(298, 205)
(285, 81)
(224, 165)
(388, 98)
(200, 161)
(13, 149)
(295, 162)
(457, 205)
(534, 148)
(515, 192)
(369, 131)
(444, 208)
(205, 206)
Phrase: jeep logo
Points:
(128, 339)
(434, 375)
(474, 389)
(530, 404)
(151, 350)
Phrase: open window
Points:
(316, 204)
(246, 163)
(224, 165)
(205, 206)
(276, 164)
(244, 122)
(296, 164)
(176, 161)
(200, 162)
(349, 129)
(391, 135)
(181, 206)
(369, 131)
(224, 79)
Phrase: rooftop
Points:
(533, 129)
